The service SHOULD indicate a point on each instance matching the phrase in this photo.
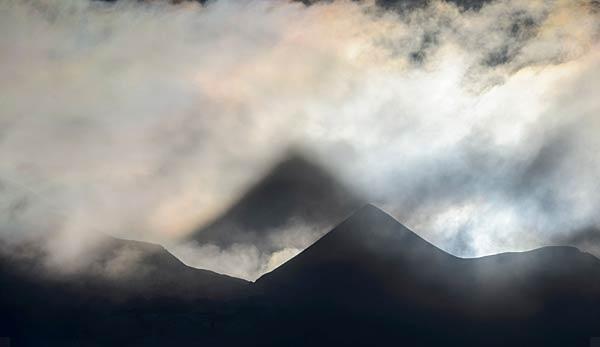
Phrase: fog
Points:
(476, 128)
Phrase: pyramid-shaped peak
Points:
(296, 159)
(369, 220)
(296, 189)
(369, 243)
(297, 171)
(372, 211)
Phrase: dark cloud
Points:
(520, 28)
(407, 5)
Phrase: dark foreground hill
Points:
(117, 269)
(370, 281)
(107, 295)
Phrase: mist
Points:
(476, 128)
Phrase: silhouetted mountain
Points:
(119, 269)
(295, 192)
(123, 292)
(369, 281)
(375, 281)
(587, 239)
(369, 252)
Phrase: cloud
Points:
(250, 260)
(588, 239)
(239, 260)
(146, 120)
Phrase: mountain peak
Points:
(370, 221)
(295, 190)
(370, 208)
(371, 211)
(364, 242)
(294, 161)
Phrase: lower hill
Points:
(117, 269)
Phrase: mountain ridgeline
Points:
(373, 281)
(369, 281)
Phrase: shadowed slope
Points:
(118, 269)
(374, 252)
(120, 293)
(370, 281)
(370, 252)
(375, 280)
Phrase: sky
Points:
(478, 128)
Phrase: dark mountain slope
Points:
(123, 292)
(115, 268)
(371, 280)
(296, 191)
(370, 252)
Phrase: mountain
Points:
(373, 281)
(122, 292)
(369, 281)
(118, 269)
(587, 239)
(369, 252)
(296, 192)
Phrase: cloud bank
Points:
(477, 128)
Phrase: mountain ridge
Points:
(119, 269)
(370, 280)
(372, 247)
